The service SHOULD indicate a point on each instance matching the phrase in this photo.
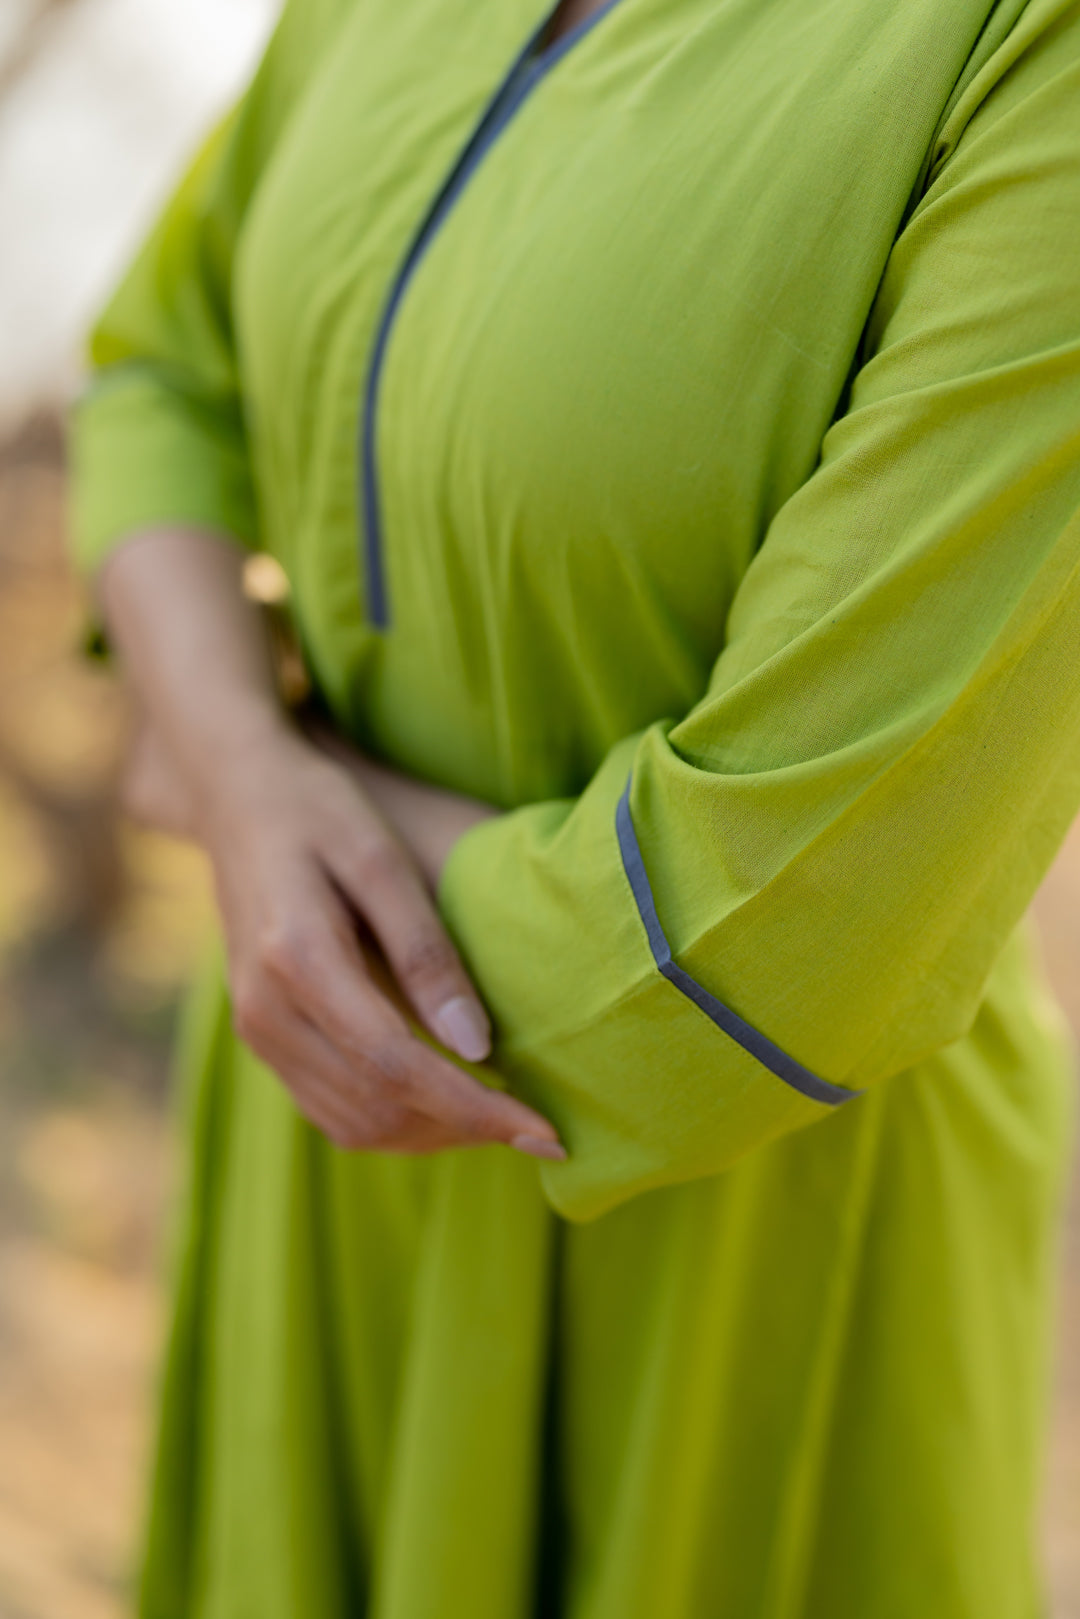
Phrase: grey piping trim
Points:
(744, 1034)
(527, 71)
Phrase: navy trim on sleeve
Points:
(752, 1040)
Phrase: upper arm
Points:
(159, 435)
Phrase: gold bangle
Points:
(267, 585)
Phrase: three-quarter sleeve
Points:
(798, 889)
(159, 434)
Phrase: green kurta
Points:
(717, 432)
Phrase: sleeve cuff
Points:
(642, 1084)
(146, 455)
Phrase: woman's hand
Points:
(303, 863)
(315, 888)
(428, 820)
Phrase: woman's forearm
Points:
(306, 866)
(196, 651)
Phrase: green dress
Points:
(672, 436)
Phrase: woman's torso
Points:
(612, 361)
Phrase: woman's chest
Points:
(603, 321)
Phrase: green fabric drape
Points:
(727, 442)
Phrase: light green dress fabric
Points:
(727, 441)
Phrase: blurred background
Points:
(100, 100)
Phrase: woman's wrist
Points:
(231, 764)
(441, 834)
(429, 820)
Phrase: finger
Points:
(380, 879)
(352, 1112)
(344, 1109)
(315, 962)
(320, 1084)
(319, 1102)
(323, 974)
(269, 1022)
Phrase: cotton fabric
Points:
(726, 443)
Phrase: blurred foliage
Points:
(99, 925)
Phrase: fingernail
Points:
(462, 1026)
(537, 1147)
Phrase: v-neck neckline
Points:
(531, 65)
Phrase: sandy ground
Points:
(98, 928)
